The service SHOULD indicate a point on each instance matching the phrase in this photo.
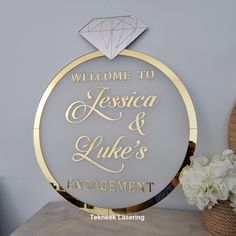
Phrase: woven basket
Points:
(220, 220)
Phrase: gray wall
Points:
(197, 39)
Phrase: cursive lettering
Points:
(79, 111)
(85, 148)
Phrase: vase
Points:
(232, 130)
(220, 220)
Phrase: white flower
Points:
(195, 184)
(227, 152)
(231, 156)
(200, 162)
(208, 181)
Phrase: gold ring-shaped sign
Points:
(190, 150)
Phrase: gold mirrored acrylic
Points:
(189, 152)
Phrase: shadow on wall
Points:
(7, 210)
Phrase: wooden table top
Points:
(63, 219)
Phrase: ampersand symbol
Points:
(138, 123)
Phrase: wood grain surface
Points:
(63, 219)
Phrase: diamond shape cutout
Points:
(111, 35)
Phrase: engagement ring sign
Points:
(115, 127)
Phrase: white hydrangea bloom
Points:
(200, 162)
(208, 181)
(227, 152)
